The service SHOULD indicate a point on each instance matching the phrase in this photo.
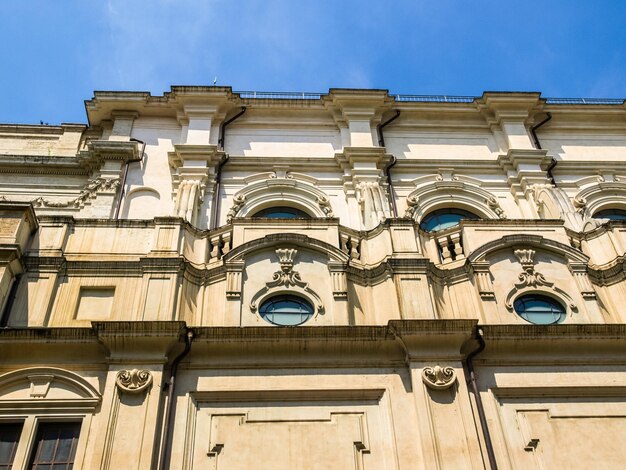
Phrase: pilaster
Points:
(133, 397)
(526, 170)
(193, 177)
(449, 437)
(365, 184)
(17, 223)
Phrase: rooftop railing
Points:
(434, 98)
(584, 101)
(297, 95)
(273, 95)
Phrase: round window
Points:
(286, 310)
(445, 218)
(539, 309)
(281, 212)
(611, 214)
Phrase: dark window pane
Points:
(281, 212)
(55, 446)
(445, 218)
(539, 309)
(286, 310)
(9, 438)
(611, 214)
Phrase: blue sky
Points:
(55, 53)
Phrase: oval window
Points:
(286, 310)
(281, 212)
(539, 309)
(611, 214)
(445, 218)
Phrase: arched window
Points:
(286, 310)
(442, 219)
(281, 212)
(611, 214)
(539, 309)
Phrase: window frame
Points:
(446, 210)
(289, 296)
(30, 426)
(543, 295)
(281, 208)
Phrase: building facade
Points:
(350, 280)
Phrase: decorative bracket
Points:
(133, 381)
(439, 378)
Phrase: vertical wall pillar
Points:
(133, 400)
(448, 434)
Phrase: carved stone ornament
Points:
(324, 204)
(238, 201)
(530, 277)
(133, 381)
(438, 378)
(580, 204)
(411, 207)
(494, 205)
(286, 278)
(532, 281)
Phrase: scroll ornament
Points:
(133, 381)
(438, 378)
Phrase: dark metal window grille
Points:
(9, 437)
(55, 446)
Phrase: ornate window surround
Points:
(287, 281)
(235, 262)
(530, 280)
(452, 194)
(286, 191)
(600, 196)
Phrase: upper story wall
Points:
(194, 150)
(157, 192)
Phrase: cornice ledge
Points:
(101, 150)
(139, 341)
(555, 333)
(426, 339)
(48, 335)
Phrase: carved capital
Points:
(133, 381)
(438, 378)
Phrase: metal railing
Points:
(584, 101)
(297, 95)
(274, 95)
(434, 98)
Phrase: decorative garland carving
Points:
(438, 378)
(133, 381)
(286, 278)
(88, 192)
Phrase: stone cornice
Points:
(553, 344)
